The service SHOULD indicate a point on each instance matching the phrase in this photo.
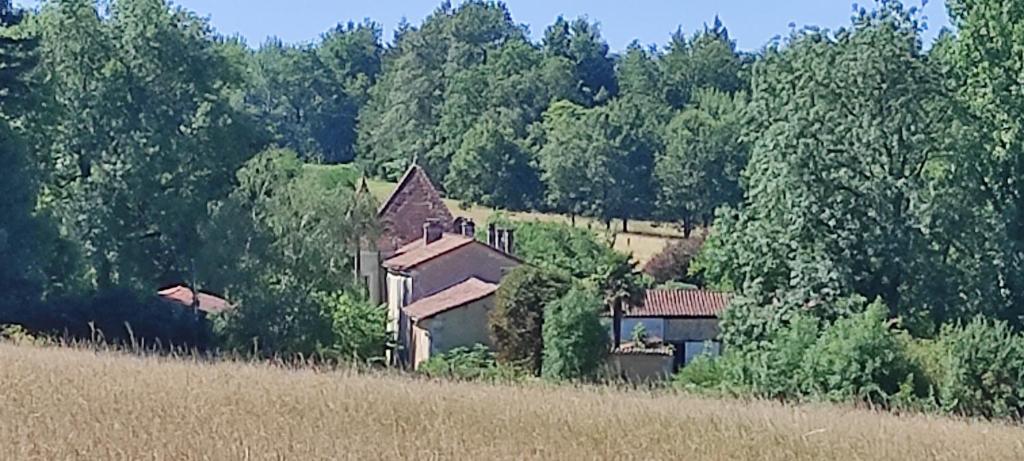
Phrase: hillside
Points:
(110, 406)
(644, 240)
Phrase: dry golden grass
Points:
(76, 404)
(644, 240)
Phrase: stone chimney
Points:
(432, 231)
(468, 228)
(509, 241)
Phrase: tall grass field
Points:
(75, 404)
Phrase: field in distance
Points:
(645, 239)
(60, 403)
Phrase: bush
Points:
(983, 370)
(557, 247)
(575, 340)
(672, 264)
(121, 316)
(360, 328)
(703, 374)
(468, 363)
(517, 320)
(859, 358)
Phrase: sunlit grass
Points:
(60, 403)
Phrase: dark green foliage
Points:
(517, 321)
(708, 60)
(556, 247)
(699, 169)
(858, 357)
(358, 328)
(491, 168)
(138, 133)
(838, 175)
(468, 363)
(281, 240)
(599, 162)
(575, 340)
(985, 185)
(119, 316)
(982, 370)
(309, 96)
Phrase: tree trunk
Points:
(687, 228)
(572, 219)
(625, 225)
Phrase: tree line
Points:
(849, 175)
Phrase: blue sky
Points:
(752, 23)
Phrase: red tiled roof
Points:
(680, 303)
(413, 202)
(181, 294)
(417, 252)
(473, 289)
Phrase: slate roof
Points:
(473, 289)
(413, 202)
(680, 303)
(181, 294)
(417, 253)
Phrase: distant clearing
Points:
(75, 404)
(644, 240)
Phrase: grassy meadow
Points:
(61, 403)
(644, 239)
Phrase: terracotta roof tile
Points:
(181, 294)
(680, 303)
(417, 253)
(473, 289)
(413, 202)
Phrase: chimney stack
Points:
(468, 228)
(509, 241)
(432, 231)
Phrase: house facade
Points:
(678, 326)
(436, 279)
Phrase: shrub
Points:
(557, 247)
(672, 264)
(703, 374)
(517, 320)
(121, 316)
(468, 363)
(859, 358)
(575, 340)
(982, 370)
(360, 328)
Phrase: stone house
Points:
(678, 325)
(437, 280)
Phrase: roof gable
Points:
(413, 202)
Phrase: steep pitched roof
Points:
(473, 289)
(181, 294)
(680, 303)
(413, 202)
(417, 253)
